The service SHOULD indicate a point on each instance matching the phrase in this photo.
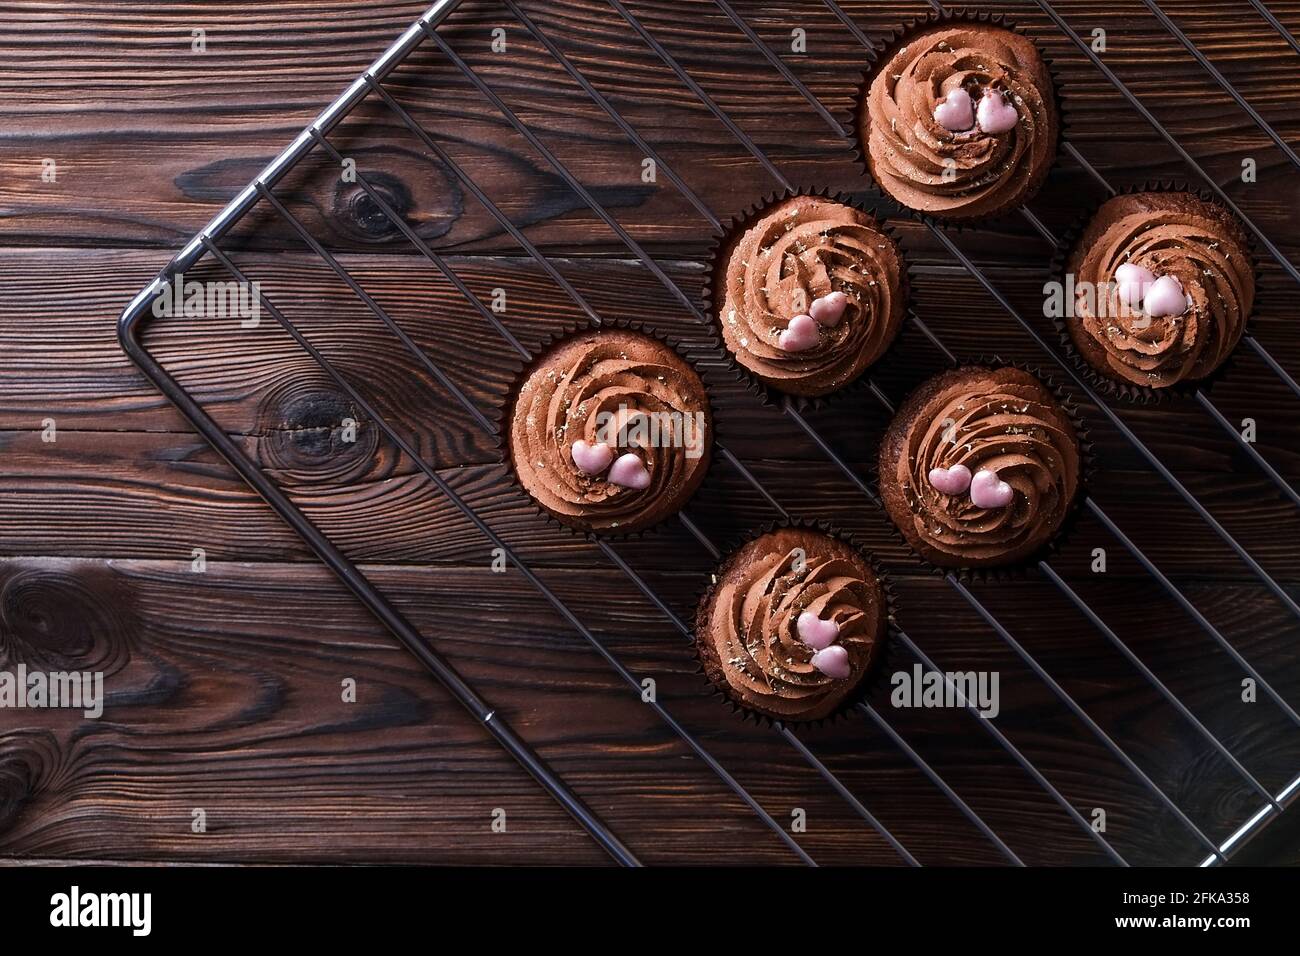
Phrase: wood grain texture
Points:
(224, 687)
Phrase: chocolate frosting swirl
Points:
(800, 250)
(1003, 420)
(909, 152)
(746, 627)
(573, 392)
(1169, 233)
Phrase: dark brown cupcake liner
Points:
(520, 372)
(1099, 381)
(877, 674)
(882, 51)
(770, 395)
(1016, 570)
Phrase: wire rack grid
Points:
(371, 83)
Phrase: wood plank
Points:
(192, 142)
(258, 381)
(284, 766)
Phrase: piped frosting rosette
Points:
(793, 624)
(960, 121)
(611, 431)
(1163, 284)
(980, 467)
(812, 292)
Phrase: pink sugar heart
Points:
(829, 309)
(591, 459)
(800, 335)
(1134, 281)
(956, 113)
(832, 661)
(630, 472)
(815, 632)
(994, 114)
(1166, 297)
(987, 490)
(950, 481)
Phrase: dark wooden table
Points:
(225, 685)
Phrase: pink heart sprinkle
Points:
(1134, 281)
(987, 490)
(955, 113)
(995, 114)
(829, 309)
(801, 334)
(950, 481)
(630, 472)
(1166, 297)
(591, 459)
(815, 632)
(832, 661)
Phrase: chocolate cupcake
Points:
(1163, 285)
(959, 120)
(980, 467)
(610, 432)
(793, 624)
(809, 294)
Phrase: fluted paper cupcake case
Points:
(1099, 381)
(886, 656)
(770, 395)
(520, 372)
(883, 50)
(1017, 570)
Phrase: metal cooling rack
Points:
(370, 83)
